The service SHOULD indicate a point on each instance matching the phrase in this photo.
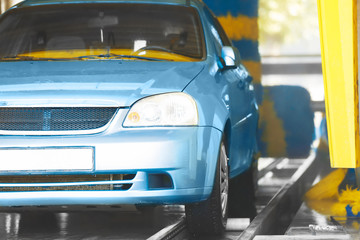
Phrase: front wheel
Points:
(210, 216)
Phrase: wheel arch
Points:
(227, 136)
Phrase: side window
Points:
(217, 31)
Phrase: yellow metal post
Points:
(338, 31)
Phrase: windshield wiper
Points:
(30, 58)
(100, 56)
(120, 56)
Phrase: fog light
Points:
(160, 181)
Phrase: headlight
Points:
(170, 109)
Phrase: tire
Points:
(255, 173)
(242, 190)
(210, 216)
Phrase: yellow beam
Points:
(338, 31)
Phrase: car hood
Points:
(90, 83)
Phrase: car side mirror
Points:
(229, 57)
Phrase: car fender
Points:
(212, 98)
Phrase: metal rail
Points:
(318, 106)
(281, 207)
(277, 215)
(170, 231)
(269, 167)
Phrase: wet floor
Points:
(318, 218)
(308, 222)
(121, 222)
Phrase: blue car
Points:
(106, 102)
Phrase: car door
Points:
(238, 99)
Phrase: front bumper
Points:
(188, 155)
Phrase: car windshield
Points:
(102, 31)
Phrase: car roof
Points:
(51, 2)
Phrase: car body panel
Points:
(184, 153)
(53, 198)
(243, 118)
(96, 82)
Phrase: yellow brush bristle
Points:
(338, 209)
(349, 195)
(324, 206)
(327, 187)
(325, 198)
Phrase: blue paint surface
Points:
(235, 7)
(248, 49)
(119, 82)
(349, 212)
(349, 180)
(292, 107)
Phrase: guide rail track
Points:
(280, 206)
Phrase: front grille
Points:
(46, 179)
(64, 178)
(54, 119)
(61, 188)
